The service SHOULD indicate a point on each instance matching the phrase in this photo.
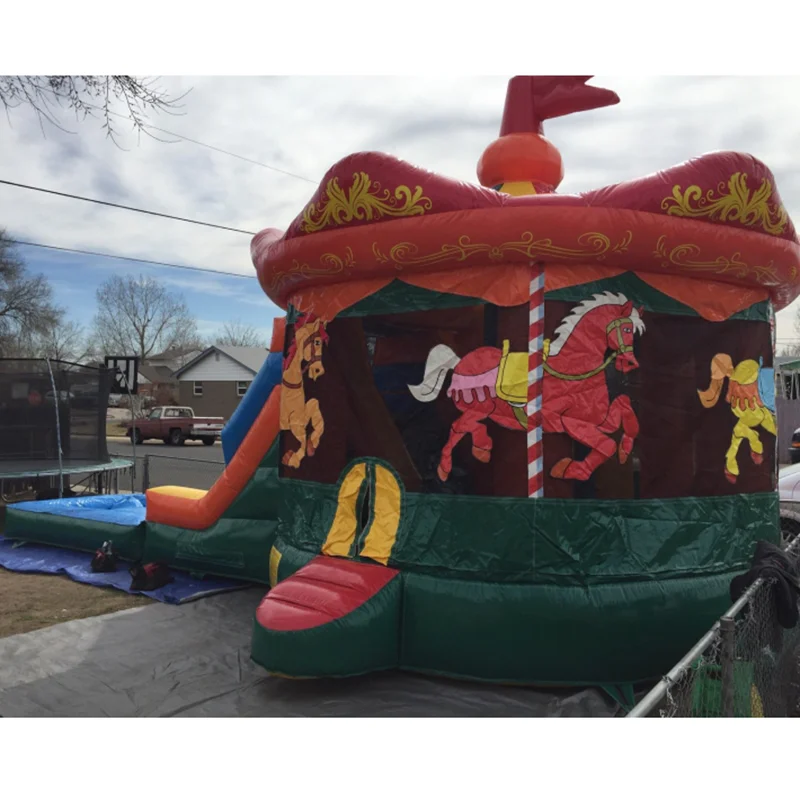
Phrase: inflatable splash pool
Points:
(81, 523)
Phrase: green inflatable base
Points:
(544, 635)
(73, 533)
(231, 548)
(556, 635)
(238, 544)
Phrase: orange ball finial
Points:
(522, 155)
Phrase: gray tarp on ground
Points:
(194, 660)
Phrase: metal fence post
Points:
(146, 473)
(728, 635)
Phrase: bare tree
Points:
(65, 341)
(140, 316)
(794, 348)
(88, 96)
(27, 311)
(238, 334)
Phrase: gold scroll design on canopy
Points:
(592, 245)
(733, 203)
(364, 201)
(684, 257)
(329, 264)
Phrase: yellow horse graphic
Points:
(745, 402)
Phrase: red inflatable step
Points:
(324, 590)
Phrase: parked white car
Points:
(789, 491)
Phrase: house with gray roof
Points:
(214, 382)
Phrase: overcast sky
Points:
(304, 125)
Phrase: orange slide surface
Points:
(196, 509)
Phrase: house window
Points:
(198, 389)
(242, 387)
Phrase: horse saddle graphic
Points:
(512, 377)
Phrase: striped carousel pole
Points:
(522, 162)
(535, 374)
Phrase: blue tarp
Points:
(54, 561)
(115, 509)
(242, 419)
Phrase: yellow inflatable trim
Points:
(180, 491)
(382, 532)
(344, 527)
(384, 520)
(274, 563)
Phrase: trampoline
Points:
(53, 430)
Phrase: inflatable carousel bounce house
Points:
(525, 437)
(503, 434)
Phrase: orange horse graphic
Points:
(296, 412)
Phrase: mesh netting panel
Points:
(762, 661)
(31, 412)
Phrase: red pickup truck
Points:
(175, 425)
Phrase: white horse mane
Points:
(570, 322)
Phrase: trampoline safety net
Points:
(31, 411)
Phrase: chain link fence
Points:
(747, 665)
(790, 519)
(167, 470)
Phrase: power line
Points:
(129, 258)
(125, 208)
(212, 147)
(229, 153)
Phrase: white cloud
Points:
(247, 293)
(304, 125)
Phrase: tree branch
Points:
(89, 96)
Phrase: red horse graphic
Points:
(596, 333)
